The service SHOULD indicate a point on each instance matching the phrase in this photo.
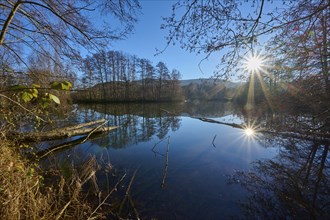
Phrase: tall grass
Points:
(24, 196)
(20, 192)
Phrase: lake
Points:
(178, 166)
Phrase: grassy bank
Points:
(23, 194)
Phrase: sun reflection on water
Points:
(249, 132)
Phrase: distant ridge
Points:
(228, 84)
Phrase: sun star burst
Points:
(254, 63)
(249, 132)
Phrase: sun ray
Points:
(250, 97)
(265, 89)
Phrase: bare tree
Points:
(61, 26)
(163, 77)
(236, 27)
(304, 46)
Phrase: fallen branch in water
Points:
(128, 197)
(311, 137)
(105, 199)
(166, 164)
(219, 122)
(213, 141)
(73, 127)
(156, 152)
(59, 147)
(60, 133)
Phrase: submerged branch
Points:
(59, 147)
(127, 194)
(214, 140)
(66, 145)
(166, 164)
(105, 199)
(153, 149)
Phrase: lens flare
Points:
(249, 132)
(254, 63)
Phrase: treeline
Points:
(308, 92)
(208, 90)
(116, 76)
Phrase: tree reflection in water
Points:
(137, 124)
(293, 185)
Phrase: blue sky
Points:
(148, 36)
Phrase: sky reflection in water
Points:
(201, 155)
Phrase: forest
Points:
(115, 76)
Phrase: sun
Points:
(249, 132)
(254, 63)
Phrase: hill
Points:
(209, 81)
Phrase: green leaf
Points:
(35, 85)
(65, 85)
(54, 98)
(26, 96)
(44, 102)
(18, 87)
(34, 92)
(55, 85)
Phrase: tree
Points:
(56, 31)
(63, 26)
(304, 46)
(163, 76)
(175, 88)
(215, 25)
(118, 72)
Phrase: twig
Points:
(19, 104)
(127, 191)
(92, 131)
(135, 210)
(130, 183)
(62, 211)
(214, 140)
(166, 111)
(153, 149)
(113, 189)
(166, 164)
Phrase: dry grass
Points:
(20, 193)
(24, 196)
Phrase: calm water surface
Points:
(183, 165)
